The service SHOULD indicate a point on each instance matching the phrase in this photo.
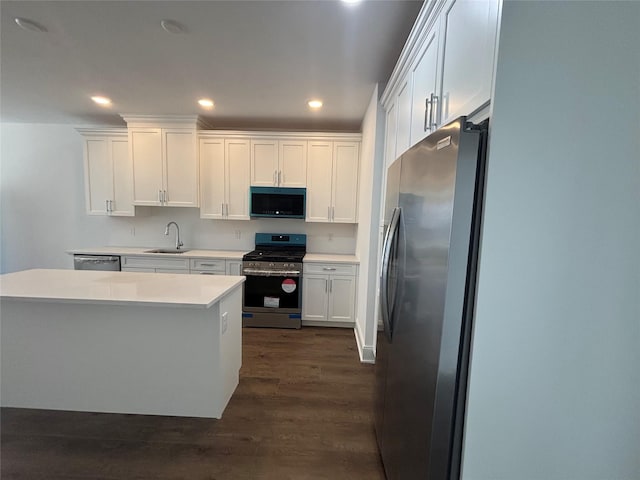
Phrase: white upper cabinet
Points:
(165, 161)
(181, 167)
(424, 76)
(346, 158)
(108, 174)
(390, 134)
(469, 32)
(224, 175)
(445, 71)
(264, 162)
(403, 140)
(278, 163)
(332, 181)
(293, 163)
(319, 178)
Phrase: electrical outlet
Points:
(224, 322)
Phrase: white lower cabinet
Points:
(329, 294)
(154, 264)
(208, 266)
(196, 266)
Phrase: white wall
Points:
(554, 387)
(43, 209)
(368, 214)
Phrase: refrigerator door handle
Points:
(384, 275)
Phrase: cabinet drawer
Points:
(330, 268)
(156, 262)
(208, 264)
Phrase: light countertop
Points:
(117, 288)
(195, 253)
(220, 254)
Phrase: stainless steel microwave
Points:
(274, 202)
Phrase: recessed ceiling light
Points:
(206, 103)
(351, 2)
(172, 26)
(26, 24)
(102, 101)
(315, 103)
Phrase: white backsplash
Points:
(147, 228)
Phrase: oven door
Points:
(275, 292)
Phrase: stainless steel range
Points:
(272, 294)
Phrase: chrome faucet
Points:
(166, 232)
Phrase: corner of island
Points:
(120, 342)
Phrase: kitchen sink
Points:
(165, 250)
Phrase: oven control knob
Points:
(271, 265)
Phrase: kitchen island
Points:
(122, 342)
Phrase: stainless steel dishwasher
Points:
(96, 262)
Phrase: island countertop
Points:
(117, 288)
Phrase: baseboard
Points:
(367, 354)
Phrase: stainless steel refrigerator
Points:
(432, 218)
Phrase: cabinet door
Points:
(315, 297)
(342, 298)
(264, 162)
(319, 178)
(122, 204)
(390, 136)
(169, 270)
(145, 147)
(181, 167)
(346, 163)
(467, 72)
(234, 267)
(424, 75)
(98, 176)
(293, 163)
(212, 177)
(404, 117)
(238, 171)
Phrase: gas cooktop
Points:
(278, 247)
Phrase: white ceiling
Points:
(260, 61)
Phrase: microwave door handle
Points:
(384, 276)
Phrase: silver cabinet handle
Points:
(326, 286)
(159, 196)
(275, 178)
(208, 264)
(106, 205)
(111, 205)
(279, 177)
(329, 269)
(207, 273)
(333, 213)
(331, 286)
(328, 213)
(166, 197)
(227, 209)
(433, 120)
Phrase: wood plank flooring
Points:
(303, 410)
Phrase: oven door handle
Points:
(270, 273)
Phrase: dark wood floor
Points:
(303, 410)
